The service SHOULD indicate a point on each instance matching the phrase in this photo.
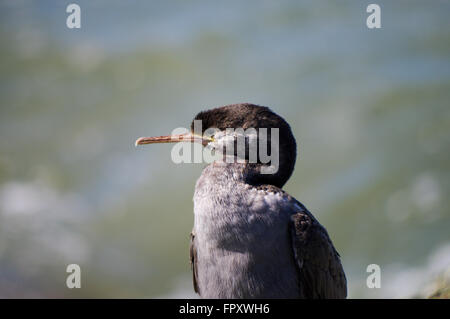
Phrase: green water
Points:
(369, 109)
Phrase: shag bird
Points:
(250, 238)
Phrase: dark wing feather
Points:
(193, 258)
(320, 270)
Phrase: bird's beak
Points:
(188, 137)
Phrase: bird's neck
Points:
(225, 175)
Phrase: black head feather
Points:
(246, 116)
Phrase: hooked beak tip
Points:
(137, 142)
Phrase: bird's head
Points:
(243, 133)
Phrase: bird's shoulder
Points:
(321, 274)
(281, 199)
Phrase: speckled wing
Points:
(193, 258)
(320, 270)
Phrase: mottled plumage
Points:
(258, 242)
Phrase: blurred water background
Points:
(369, 108)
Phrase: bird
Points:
(250, 238)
